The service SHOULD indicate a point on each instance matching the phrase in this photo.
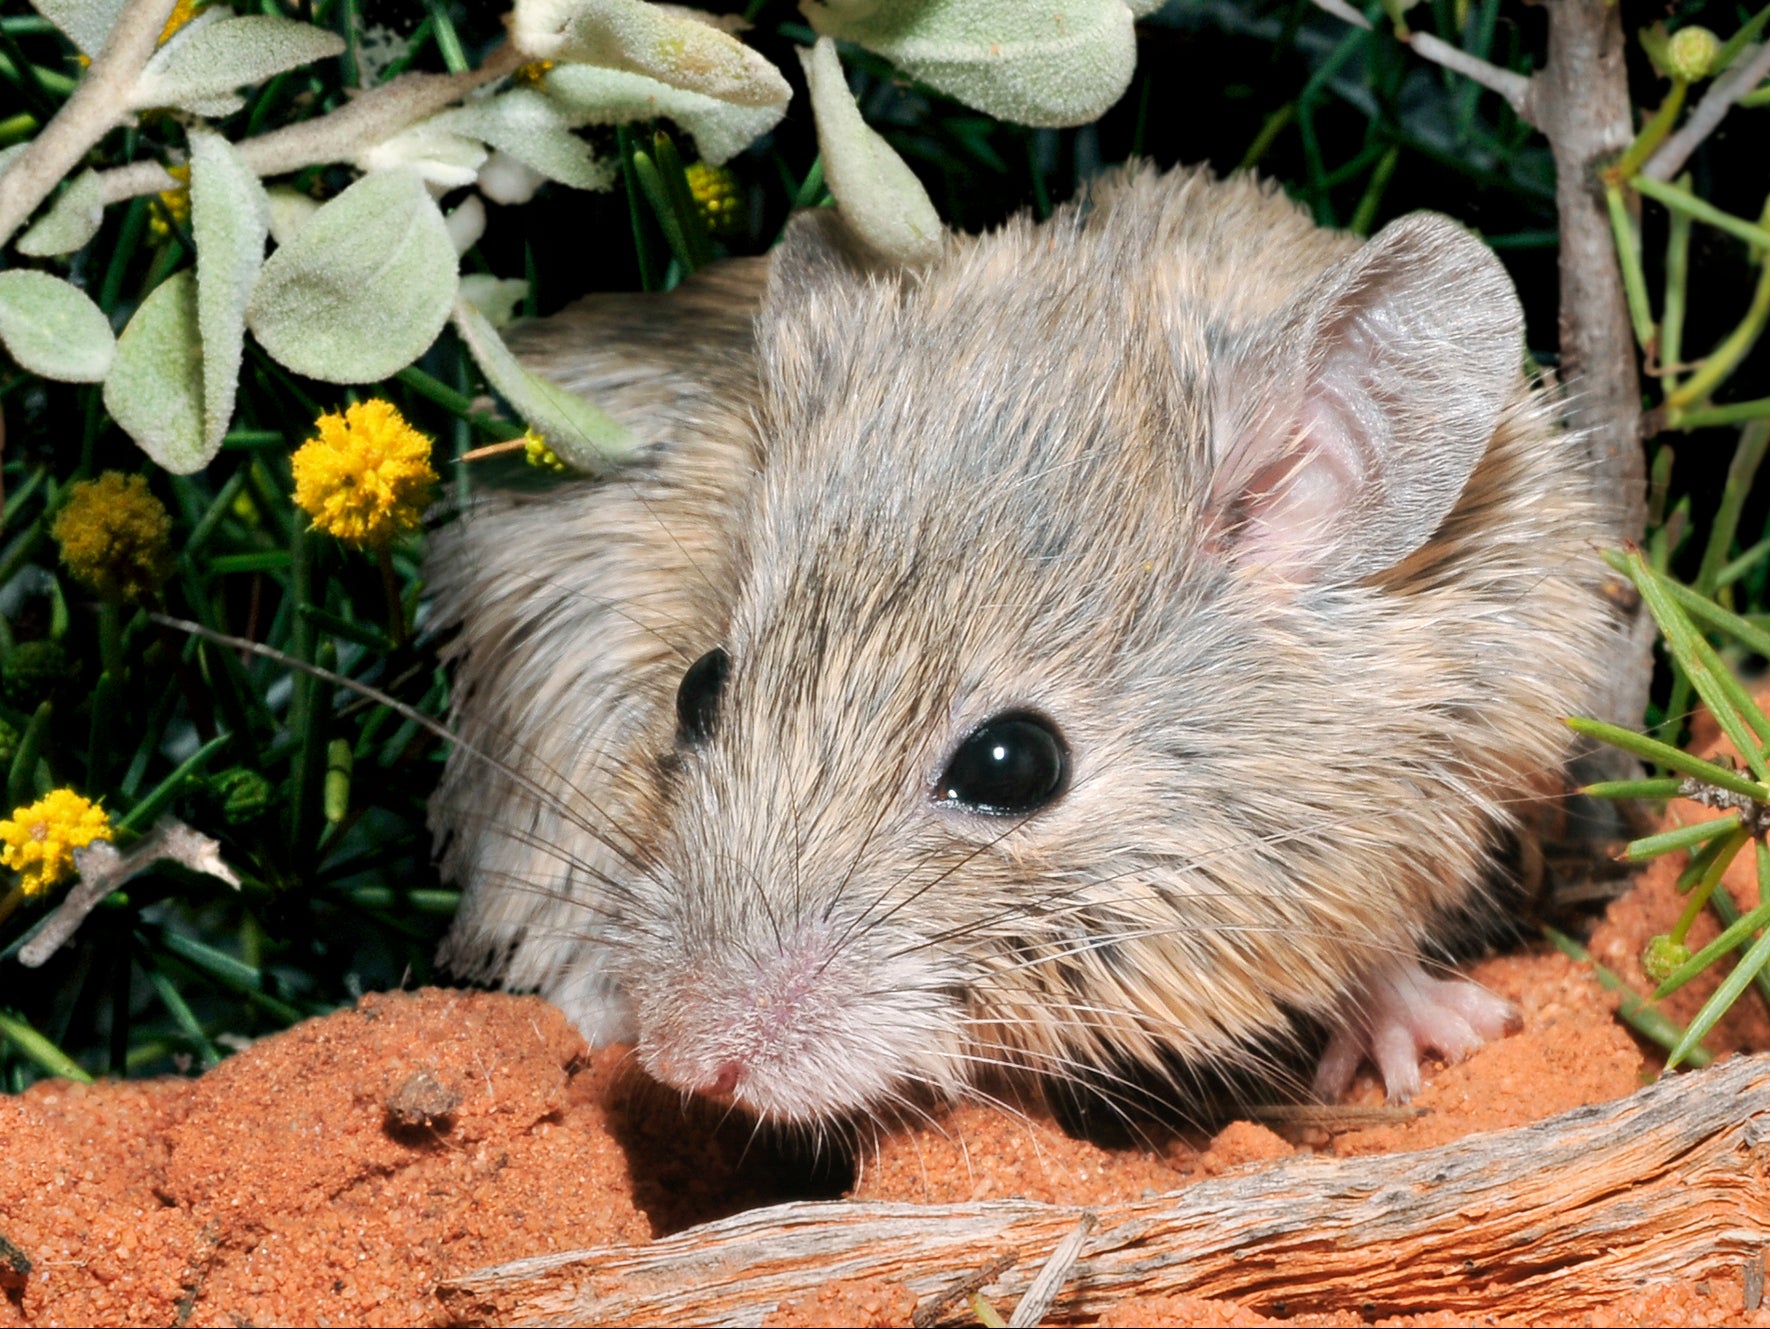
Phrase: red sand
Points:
(334, 1173)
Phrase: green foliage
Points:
(1741, 799)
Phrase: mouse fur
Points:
(1267, 522)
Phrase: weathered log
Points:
(1552, 1219)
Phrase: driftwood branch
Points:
(1549, 1221)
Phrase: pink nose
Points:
(726, 1082)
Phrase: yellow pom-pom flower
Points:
(716, 194)
(367, 476)
(115, 537)
(38, 842)
(182, 12)
(177, 201)
(538, 454)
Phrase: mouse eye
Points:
(1010, 765)
(697, 699)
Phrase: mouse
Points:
(1119, 641)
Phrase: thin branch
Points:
(1751, 69)
(1344, 12)
(1514, 87)
(103, 870)
(368, 118)
(99, 104)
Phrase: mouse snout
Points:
(803, 1022)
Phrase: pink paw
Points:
(1398, 1016)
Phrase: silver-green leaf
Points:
(1059, 62)
(364, 287)
(200, 66)
(155, 387)
(534, 129)
(72, 220)
(86, 22)
(720, 129)
(230, 218)
(582, 436)
(677, 48)
(881, 200)
(52, 328)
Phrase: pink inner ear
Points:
(1295, 507)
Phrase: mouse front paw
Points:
(1400, 1014)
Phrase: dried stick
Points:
(1548, 1222)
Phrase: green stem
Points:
(39, 1049)
(1682, 200)
(1699, 897)
(1721, 361)
(1733, 413)
(1628, 252)
(1747, 456)
(396, 612)
(1671, 323)
(1274, 125)
(458, 404)
(1366, 213)
(1652, 133)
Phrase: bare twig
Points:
(98, 105)
(368, 118)
(929, 1310)
(1344, 12)
(103, 870)
(1750, 69)
(1515, 88)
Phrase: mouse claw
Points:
(1399, 1016)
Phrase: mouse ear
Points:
(1344, 440)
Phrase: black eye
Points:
(1010, 765)
(697, 699)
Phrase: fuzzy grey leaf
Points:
(155, 387)
(52, 328)
(363, 288)
(582, 435)
(1058, 63)
(201, 65)
(230, 218)
(880, 197)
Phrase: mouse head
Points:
(1101, 645)
(1080, 600)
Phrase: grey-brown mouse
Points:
(1103, 646)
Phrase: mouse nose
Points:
(726, 1082)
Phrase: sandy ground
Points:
(332, 1174)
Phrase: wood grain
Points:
(1552, 1219)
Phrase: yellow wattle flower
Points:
(39, 840)
(538, 454)
(115, 537)
(177, 201)
(717, 195)
(367, 476)
(182, 13)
